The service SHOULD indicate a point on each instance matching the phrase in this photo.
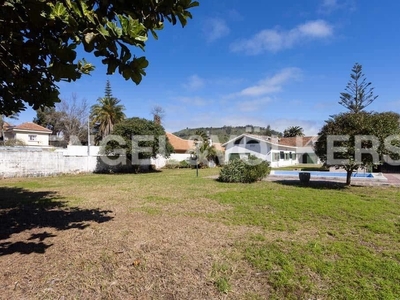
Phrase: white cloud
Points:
(272, 84)
(328, 6)
(253, 105)
(215, 29)
(329, 3)
(234, 15)
(317, 29)
(274, 40)
(194, 82)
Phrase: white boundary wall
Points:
(37, 162)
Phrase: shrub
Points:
(238, 170)
(184, 164)
(172, 164)
(14, 142)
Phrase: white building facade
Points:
(263, 147)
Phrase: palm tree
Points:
(107, 112)
(293, 131)
(206, 150)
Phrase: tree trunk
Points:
(348, 177)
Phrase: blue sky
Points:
(279, 63)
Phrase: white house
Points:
(264, 147)
(30, 133)
(182, 151)
(304, 148)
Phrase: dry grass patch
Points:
(171, 235)
(151, 247)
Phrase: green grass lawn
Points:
(264, 240)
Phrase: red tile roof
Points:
(179, 144)
(29, 126)
(218, 146)
(182, 146)
(297, 141)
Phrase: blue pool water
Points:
(321, 174)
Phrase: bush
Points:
(184, 164)
(14, 143)
(172, 164)
(249, 171)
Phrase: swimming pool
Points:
(322, 174)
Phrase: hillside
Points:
(226, 132)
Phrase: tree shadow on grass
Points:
(22, 210)
(314, 184)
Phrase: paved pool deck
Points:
(388, 179)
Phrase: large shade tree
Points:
(358, 93)
(107, 112)
(360, 136)
(39, 42)
(132, 135)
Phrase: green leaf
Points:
(154, 34)
(89, 47)
(84, 67)
(193, 4)
(136, 77)
(59, 11)
(114, 30)
(74, 6)
(66, 54)
(126, 73)
(111, 63)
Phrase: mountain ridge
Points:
(225, 133)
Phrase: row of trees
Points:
(71, 119)
(360, 131)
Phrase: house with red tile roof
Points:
(29, 133)
(182, 151)
(187, 146)
(279, 152)
(180, 145)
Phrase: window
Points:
(252, 142)
(282, 155)
(286, 156)
(253, 145)
(238, 141)
(32, 137)
(233, 156)
(275, 157)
